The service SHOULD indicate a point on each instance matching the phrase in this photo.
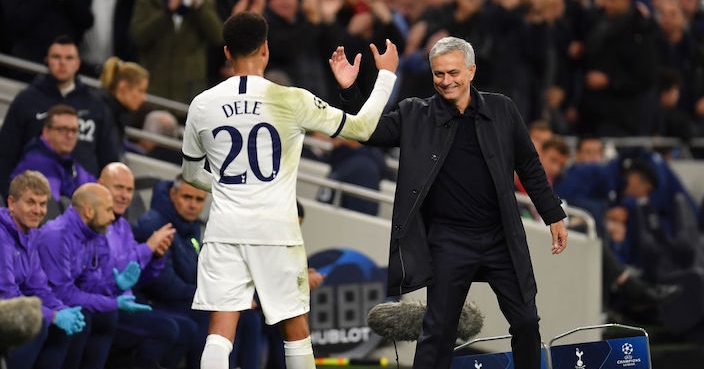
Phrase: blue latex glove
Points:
(128, 277)
(126, 303)
(70, 320)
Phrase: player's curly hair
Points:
(244, 33)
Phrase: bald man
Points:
(72, 256)
(169, 336)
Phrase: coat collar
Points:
(444, 111)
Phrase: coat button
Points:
(434, 157)
(415, 192)
(397, 227)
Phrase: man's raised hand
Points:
(389, 59)
(344, 72)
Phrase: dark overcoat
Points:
(424, 130)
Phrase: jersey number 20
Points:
(238, 142)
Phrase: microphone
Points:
(20, 321)
(402, 321)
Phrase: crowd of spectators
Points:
(589, 68)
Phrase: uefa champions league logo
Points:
(627, 349)
(628, 359)
(580, 363)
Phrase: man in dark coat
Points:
(455, 217)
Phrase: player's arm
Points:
(360, 126)
(193, 164)
(194, 173)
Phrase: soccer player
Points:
(251, 132)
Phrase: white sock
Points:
(216, 352)
(299, 354)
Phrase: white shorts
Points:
(229, 273)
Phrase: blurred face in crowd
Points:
(637, 185)
(285, 9)
(469, 6)
(120, 182)
(63, 62)
(62, 133)
(103, 214)
(553, 162)
(452, 77)
(132, 95)
(671, 17)
(28, 210)
(188, 201)
(539, 137)
(590, 151)
(614, 8)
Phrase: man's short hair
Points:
(58, 109)
(244, 33)
(29, 180)
(558, 144)
(178, 182)
(643, 169)
(63, 40)
(449, 44)
(587, 137)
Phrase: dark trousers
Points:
(460, 257)
(150, 339)
(90, 348)
(246, 351)
(46, 351)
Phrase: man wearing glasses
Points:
(50, 153)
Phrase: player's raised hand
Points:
(344, 72)
(389, 59)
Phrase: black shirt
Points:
(463, 193)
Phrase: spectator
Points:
(124, 91)
(72, 260)
(679, 51)
(172, 43)
(50, 153)
(22, 275)
(109, 36)
(670, 120)
(25, 116)
(540, 132)
(163, 123)
(590, 149)
(168, 336)
(34, 26)
(620, 63)
(177, 203)
(300, 42)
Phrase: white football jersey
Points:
(251, 131)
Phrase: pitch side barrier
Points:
(630, 351)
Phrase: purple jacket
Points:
(76, 262)
(63, 172)
(124, 248)
(21, 272)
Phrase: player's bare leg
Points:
(218, 344)
(297, 345)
